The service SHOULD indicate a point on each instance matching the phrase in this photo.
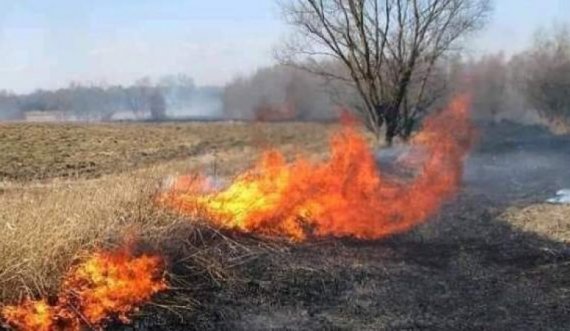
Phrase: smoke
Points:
(279, 93)
(201, 103)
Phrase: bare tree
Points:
(138, 97)
(388, 49)
(136, 100)
(157, 106)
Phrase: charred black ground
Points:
(465, 270)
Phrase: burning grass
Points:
(346, 195)
(45, 226)
(67, 240)
(106, 284)
(45, 223)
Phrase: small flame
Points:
(107, 284)
(345, 196)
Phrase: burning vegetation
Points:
(107, 284)
(347, 195)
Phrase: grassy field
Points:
(68, 188)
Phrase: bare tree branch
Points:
(382, 44)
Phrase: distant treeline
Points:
(145, 99)
(531, 86)
(279, 93)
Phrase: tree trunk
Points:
(407, 128)
(391, 117)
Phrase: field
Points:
(495, 257)
(31, 152)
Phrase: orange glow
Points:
(31, 315)
(105, 285)
(347, 195)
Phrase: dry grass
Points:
(43, 228)
(559, 126)
(547, 220)
(45, 223)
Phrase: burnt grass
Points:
(464, 270)
(479, 276)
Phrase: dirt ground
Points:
(31, 152)
(470, 268)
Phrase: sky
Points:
(50, 43)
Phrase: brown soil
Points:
(42, 151)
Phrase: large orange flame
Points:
(348, 195)
(107, 284)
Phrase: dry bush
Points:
(45, 226)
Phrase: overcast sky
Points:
(48, 43)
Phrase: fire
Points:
(31, 315)
(347, 195)
(107, 284)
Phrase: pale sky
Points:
(48, 43)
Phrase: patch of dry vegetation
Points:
(45, 224)
(547, 220)
(559, 127)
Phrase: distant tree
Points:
(157, 105)
(9, 109)
(388, 48)
(137, 100)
